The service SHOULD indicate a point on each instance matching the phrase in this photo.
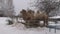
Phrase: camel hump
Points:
(40, 12)
(31, 11)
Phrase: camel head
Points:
(23, 11)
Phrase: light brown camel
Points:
(42, 16)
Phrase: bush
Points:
(10, 22)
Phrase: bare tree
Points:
(47, 5)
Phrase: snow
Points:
(20, 29)
(55, 17)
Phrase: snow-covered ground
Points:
(55, 17)
(20, 29)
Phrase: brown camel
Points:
(27, 16)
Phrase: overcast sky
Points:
(21, 4)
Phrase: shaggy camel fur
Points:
(41, 16)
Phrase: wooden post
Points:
(55, 26)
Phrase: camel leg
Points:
(45, 22)
(27, 24)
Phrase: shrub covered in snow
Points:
(10, 22)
